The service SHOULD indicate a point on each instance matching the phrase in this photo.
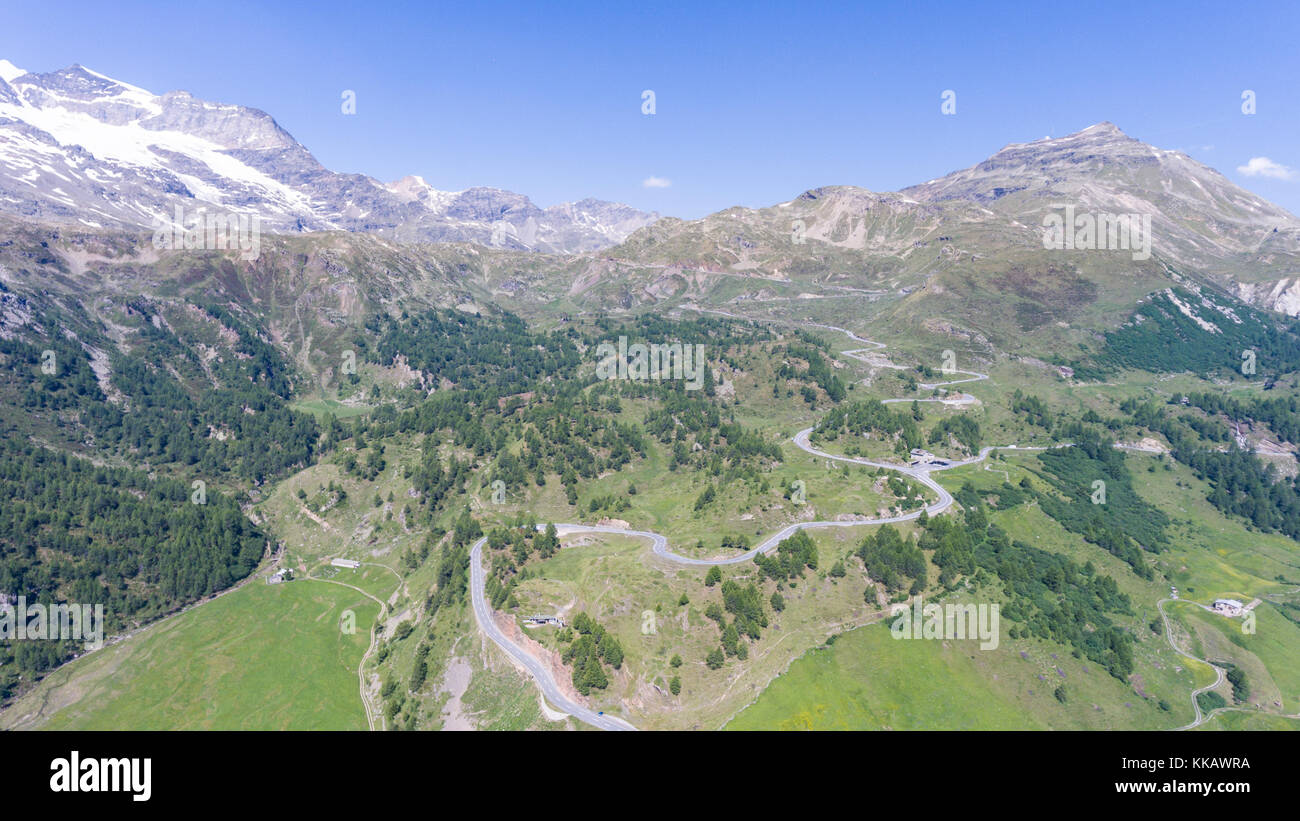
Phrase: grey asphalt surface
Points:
(550, 690)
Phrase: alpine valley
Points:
(380, 474)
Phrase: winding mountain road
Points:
(540, 673)
(545, 681)
(1201, 718)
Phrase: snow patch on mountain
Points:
(10, 72)
(79, 146)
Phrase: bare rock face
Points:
(1282, 295)
(973, 247)
(1200, 218)
(77, 146)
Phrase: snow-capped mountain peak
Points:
(78, 145)
(10, 72)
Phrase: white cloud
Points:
(656, 182)
(1264, 167)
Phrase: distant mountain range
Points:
(984, 225)
(963, 254)
(78, 146)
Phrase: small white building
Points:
(284, 574)
(348, 563)
(1228, 607)
(538, 621)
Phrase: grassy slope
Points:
(616, 580)
(869, 681)
(866, 680)
(261, 658)
(897, 684)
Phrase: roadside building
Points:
(544, 620)
(1227, 607)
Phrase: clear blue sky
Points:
(755, 102)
